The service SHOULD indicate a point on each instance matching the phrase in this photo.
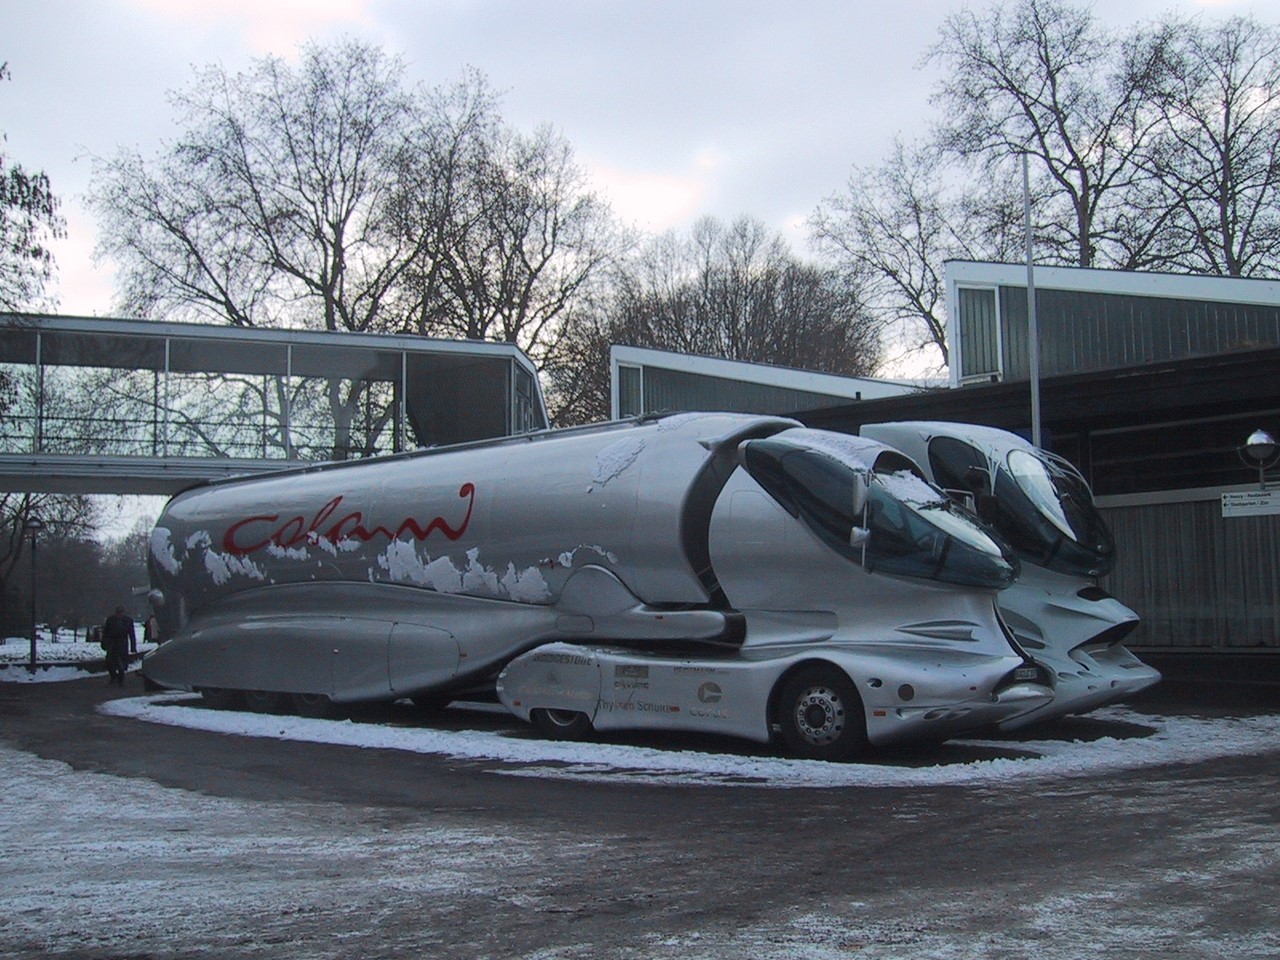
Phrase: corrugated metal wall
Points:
(1197, 579)
(666, 390)
(978, 342)
(1081, 331)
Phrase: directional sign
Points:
(1252, 503)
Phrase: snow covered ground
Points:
(1158, 741)
(53, 653)
(97, 866)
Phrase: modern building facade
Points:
(656, 381)
(100, 405)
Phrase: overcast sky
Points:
(677, 109)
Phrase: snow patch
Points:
(402, 563)
(162, 550)
(678, 420)
(527, 586)
(567, 557)
(908, 488)
(858, 452)
(222, 567)
(287, 553)
(479, 578)
(614, 459)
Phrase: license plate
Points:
(1026, 673)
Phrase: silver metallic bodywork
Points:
(634, 545)
(1061, 619)
(621, 688)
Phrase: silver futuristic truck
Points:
(1041, 506)
(706, 572)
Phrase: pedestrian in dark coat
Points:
(117, 637)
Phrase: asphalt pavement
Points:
(1172, 862)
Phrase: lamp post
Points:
(1260, 451)
(32, 527)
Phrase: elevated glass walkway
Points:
(90, 405)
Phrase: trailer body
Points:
(680, 544)
(1044, 508)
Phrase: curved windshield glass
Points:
(913, 530)
(1046, 511)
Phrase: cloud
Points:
(276, 26)
(658, 200)
(84, 287)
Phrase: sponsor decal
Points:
(709, 692)
(720, 713)
(574, 658)
(267, 530)
(630, 677)
(565, 694)
(637, 706)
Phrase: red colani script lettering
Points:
(266, 529)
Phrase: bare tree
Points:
(733, 291)
(892, 229)
(1039, 78)
(267, 211)
(1214, 162)
(29, 219)
(63, 516)
(513, 234)
(328, 196)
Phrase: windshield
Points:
(1046, 511)
(913, 530)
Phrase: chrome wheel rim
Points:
(820, 715)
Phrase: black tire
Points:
(821, 715)
(316, 706)
(220, 698)
(561, 724)
(263, 701)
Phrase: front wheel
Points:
(561, 724)
(821, 715)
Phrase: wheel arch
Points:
(775, 692)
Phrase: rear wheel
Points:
(317, 706)
(263, 701)
(561, 724)
(220, 698)
(821, 715)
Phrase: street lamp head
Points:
(1260, 446)
(32, 525)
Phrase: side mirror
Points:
(859, 535)
(861, 490)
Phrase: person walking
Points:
(118, 636)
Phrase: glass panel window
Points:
(914, 531)
(979, 336)
(630, 394)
